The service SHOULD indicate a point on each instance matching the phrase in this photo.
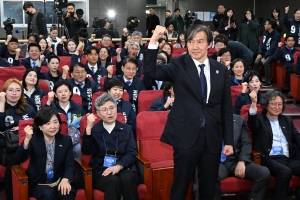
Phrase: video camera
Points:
(132, 23)
(95, 23)
(58, 6)
(8, 25)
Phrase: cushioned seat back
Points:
(64, 60)
(12, 72)
(281, 76)
(146, 98)
(1, 84)
(295, 86)
(235, 91)
(150, 126)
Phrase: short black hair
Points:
(36, 36)
(53, 27)
(101, 23)
(14, 39)
(130, 60)
(82, 32)
(27, 4)
(106, 35)
(198, 21)
(250, 76)
(296, 10)
(176, 9)
(151, 8)
(52, 56)
(34, 45)
(60, 83)
(24, 84)
(88, 50)
(272, 22)
(108, 51)
(70, 4)
(43, 116)
(221, 38)
(168, 11)
(78, 64)
(169, 24)
(223, 50)
(167, 55)
(167, 86)
(114, 83)
(79, 11)
(270, 95)
(290, 35)
(277, 10)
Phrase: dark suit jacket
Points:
(185, 118)
(102, 31)
(242, 143)
(64, 165)
(263, 135)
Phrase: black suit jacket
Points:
(263, 135)
(102, 31)
(242, 143)
(64, 165)
(185, 118)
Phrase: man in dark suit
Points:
(201, 116)
(240, 164)
(152, 21)
(104, 29)
(275, 138)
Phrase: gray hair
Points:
(134, 43)
(194, 29)
(137, 33)
(271, 95)
(101, 100)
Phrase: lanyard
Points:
(117, 141)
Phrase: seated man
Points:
(31, 38)
(275, 138)
(224, 57)
(82, 85)
(106, 42)
(170, 30)
(240, 164)
(92, 68)
(10, 50)
(133, 84)
(34, 52)
(286, 56)
(266, 50)
(115, 88)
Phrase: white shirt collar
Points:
(125, 80)
(93, 67)
(66, 109)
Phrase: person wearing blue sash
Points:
(113, 149)
(51, 168)
(237, 72)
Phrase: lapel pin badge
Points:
(217, 71)
(60, 145)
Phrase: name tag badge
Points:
(109, 161)
(277, 150)
(50, 174)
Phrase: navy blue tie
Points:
(128, 83)
(203, 88)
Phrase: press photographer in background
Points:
(83, 22)
(71, 19)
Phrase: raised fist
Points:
(118, 51)
(253, 96)
(28, 131)
(110, 71)
(286, 9)
(280, 44)
(91, 118)
(18, 50)
(50, 97)
(244, 87)
(2, 97)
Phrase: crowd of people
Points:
(132, 68)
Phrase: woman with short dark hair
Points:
(51, 168)
(165, 103)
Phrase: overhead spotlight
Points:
(111, 14)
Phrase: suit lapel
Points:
(58, 151)
(213, 79)
(268, 125)
(42, 152)
(193, 73)
(283, 127)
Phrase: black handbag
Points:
(10, 138)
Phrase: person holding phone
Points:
(228, 25)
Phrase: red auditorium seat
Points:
(97, 94)
(44, 84)
(295, 86)
(281, 76)
(75, 97)
(211, 51)
(114, 60)
(12, 72)
(178, 52)
(20, 179)
(297, 123)
(1, 84)
(64, 60)
(146, 98)
(98, 194)
(235, 91)
(155, 157)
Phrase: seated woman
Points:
(70, 47)
(115, 88)
(13, 107)
(162, 42)
(45, 49)
(180, 41)
(168, 48)
(60, 100)
(104, 57)
(237, 72)
(165, 103)
(113, 151)
(253, 81)
(44, 144)
(32, 92)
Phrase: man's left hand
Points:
(228, 150)
(240, 169)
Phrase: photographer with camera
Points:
(83, 23)
(36, 20)
(189, 17)
(71, 20)
(152, 21)
(104, 29)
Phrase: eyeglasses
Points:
(105, 110)
(12, 91)
(79, 72)
(226, 56)
(279, 105)
(107, 40)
